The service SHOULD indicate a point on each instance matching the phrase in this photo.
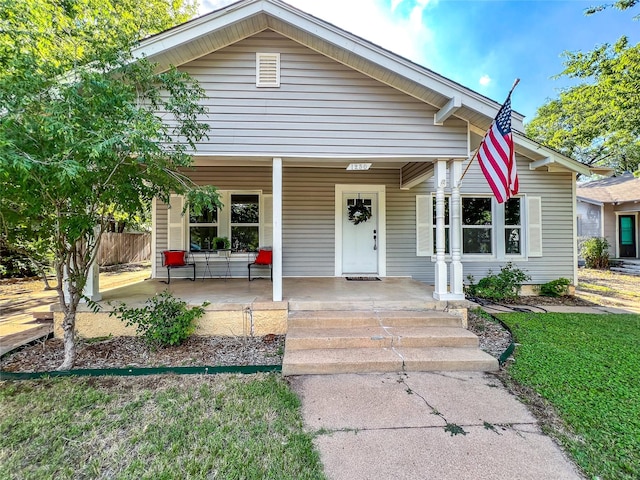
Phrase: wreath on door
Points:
(359, 212)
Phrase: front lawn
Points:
(588, 368)
(186, 427)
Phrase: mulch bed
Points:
(122, 352)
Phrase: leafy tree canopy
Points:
(66, 33)
(85, 131)
(598, 120)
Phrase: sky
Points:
(482, 44)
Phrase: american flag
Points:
(496, 155)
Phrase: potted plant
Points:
(221, 243)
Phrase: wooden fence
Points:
(116, 248)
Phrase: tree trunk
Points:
(68, 325)
(43, 274)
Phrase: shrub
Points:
(163, 321)
(15, 265)
(555, 288)
(595, 252)
(501, 286)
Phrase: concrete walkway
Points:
(458, 425)
(596, 309)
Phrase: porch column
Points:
(277, 229)
(92, 287)
(457, 284)
(440, 177)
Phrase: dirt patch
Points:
(607, 288)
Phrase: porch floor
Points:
(302, 293)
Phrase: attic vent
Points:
(267, 69)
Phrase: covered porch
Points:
(242, 307)
(332, 324)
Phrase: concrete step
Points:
(371, 318)
(378, 337)
(295, 305)
(381, 360)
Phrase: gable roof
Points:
(245, 18)
(625, 188)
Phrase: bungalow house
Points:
(609, 208)
(309, 121)
(346, 159)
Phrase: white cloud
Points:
(484, 80)
(394, 4)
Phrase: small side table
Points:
(207, 265)
(226, 254)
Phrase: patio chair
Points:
(177, 259)
(263, 259)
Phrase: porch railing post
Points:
(277, 229)
(440, 288)
(457, 285)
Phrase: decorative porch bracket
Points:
(445, 288)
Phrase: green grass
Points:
(588, 367)
(187, 427)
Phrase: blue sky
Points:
(482, 44)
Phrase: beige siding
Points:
(610, 227)
(321, 108)
(309, 225)
(557, 222)
(225, 178)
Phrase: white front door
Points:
(360, 233)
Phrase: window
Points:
(477, 226)
(245, 222)
(203, 229)
(447, 230)
(489, 229)
(513, 227)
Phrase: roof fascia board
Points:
(197, 28)
(531, 149)
(588, 200)
(548, 153)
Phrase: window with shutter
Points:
(534, 226)
(176, 223)
(266, 232)
(424, 226)
(267, 69)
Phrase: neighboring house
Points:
(310, 122)
(609, 208)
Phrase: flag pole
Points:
(475, 154)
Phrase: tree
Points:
(84, 130)
(619, 4)
(597, 121)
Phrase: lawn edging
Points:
(134, 372)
